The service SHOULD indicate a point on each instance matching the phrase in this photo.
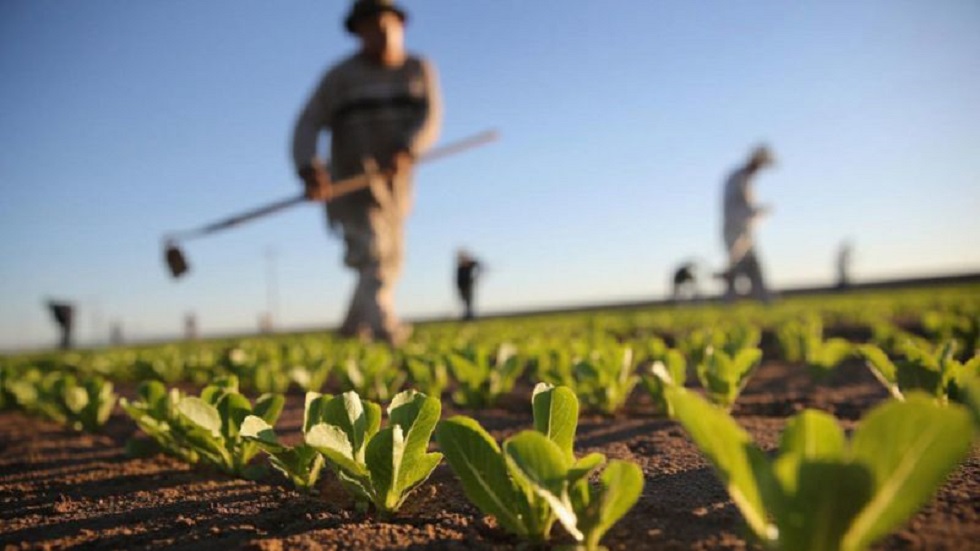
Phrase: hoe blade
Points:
(175, 260)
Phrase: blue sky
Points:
(121, 121)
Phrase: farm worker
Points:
(844, 255)
(467, 271)
(63, 314)
(740, 214)
(382, 107)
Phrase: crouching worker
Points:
(381, 106)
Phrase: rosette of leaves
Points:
(85, 404)
(723, 376)
(155, 412)
(300, 464)
(371, 371)
(428, 373)
(822, 492)
(377, 466)
(535, 479)
(605, 379)
(310, 375)
(211, 425)
(205, 428)
(668, 369)
(802, 341)
(482, 374)
(938, 373)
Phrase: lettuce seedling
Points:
(428, 373)
(723, 376)
(155, 413)
(372, 372)
(205, 428)
(535, 479)
(606, 378)
(300, 464)
(938, 374)
(668, 368)
(481, 376)
(377, 466)
(802, 341)
(821, 492)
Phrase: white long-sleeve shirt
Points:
(740, 211)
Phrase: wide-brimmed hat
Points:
(365, 8)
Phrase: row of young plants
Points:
(601, 371)
(530, 481)
(820, 491)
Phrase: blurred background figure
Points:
(844, 257)
(467, 271)
(740, 214)
(381, 104)
(116, 334)
(190, 326)
(685, 281)
(63, 313)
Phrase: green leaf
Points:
(201, 414)
(910, 447)
(739, 464)
(556, 416)
(620, 487)
(255, 428)
(813, 435)
(819, 499)
(537, 462)
(476, 459)
(881, 367)
(333, 442)
(269, 407)
(233, 408)
(384, 458)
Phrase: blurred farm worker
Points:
(382, 107)
(844, 256)
(685, 281)
(740, 214)
(467, 271)
(63, 314)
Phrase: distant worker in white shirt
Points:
(740, 214)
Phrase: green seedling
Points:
(300, 464)
(535, 479)
(938, 374)
(803, 341)
(668, 368)
(482, 376)
(377, 466)
(605, 379)
(822, 492)
(205, 428)
(723, 376)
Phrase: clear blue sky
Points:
(122, 120)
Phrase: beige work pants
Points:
(373, 230)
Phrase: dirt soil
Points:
(60, 488)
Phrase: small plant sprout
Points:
(822, 492)
(938, 374)
(723, 376)
(377, 466)
(535, 479)
(300, 464)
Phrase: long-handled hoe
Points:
(177, 262)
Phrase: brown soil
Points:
(59, 488)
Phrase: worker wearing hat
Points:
(382, 108)
(740, 215)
